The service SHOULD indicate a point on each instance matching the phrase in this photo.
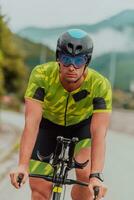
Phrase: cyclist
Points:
(69, 99)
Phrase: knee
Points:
(74, 192)
(41, 190)
(36, 195)
(80, 192)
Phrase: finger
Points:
(14, 181)
(91, 191)
(100, 195)
(11, 176)
(104, 191)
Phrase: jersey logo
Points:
(39, 94)
(99, 103)
(80, 95)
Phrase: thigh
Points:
(83, 150)
(83, 155)
(79, 192)
(45, 145)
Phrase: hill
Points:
(113, 45)
(33, 53)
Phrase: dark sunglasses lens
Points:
(66, 60)
(79, 61)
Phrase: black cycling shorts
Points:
(48, 132)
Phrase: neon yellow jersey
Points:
(68, 108)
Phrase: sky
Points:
(52, 13)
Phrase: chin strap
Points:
(81, 75)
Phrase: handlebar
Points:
(59, 180)
(65, 182)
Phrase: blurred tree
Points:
(1, 60)
(1, 82)
(13, 72)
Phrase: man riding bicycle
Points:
(69, 99)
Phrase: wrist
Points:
(24, 166)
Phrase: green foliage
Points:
(1, 82)
(17, 55)
(13, 71)
(33, 53)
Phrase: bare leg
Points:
(41, 189)
(80, 192)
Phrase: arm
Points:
(33, 115)
(99, 126)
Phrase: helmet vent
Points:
(78, 49)
(70, 47)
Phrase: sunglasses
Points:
(77, 61)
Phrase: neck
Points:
(71, 86)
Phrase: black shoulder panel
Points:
(39, 94)
(80, 95)
(99, 103)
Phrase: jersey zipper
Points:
(65, 116)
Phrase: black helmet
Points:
(75, 42)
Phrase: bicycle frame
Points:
(62, 162)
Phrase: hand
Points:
(19, 176)
(102, 188)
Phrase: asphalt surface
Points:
(119, 167)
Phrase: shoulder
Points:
(97, 78)
(44, 71)
(47, 67)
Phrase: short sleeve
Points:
(35, 89)
(102, 100)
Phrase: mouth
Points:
(71, 75)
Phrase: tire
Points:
(56, 196)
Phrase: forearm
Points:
(33, 115)
(99, 127)
(27, 144)
(97, 154)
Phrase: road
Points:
(119, 167)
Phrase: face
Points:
(71, 67)
(70, 74)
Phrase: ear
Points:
(59, 66)
(58, 62)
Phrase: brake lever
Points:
(19, 179)
(96, 192)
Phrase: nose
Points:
(71, 67)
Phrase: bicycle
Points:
(62, 161)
